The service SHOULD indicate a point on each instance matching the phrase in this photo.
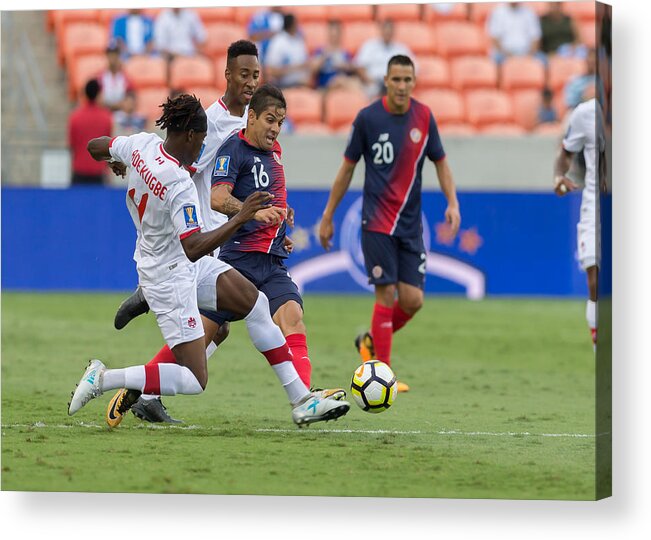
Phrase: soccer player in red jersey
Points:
(394, 135)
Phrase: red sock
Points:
(164, 356)
(400, 317)
(382, 332)
(298, 345)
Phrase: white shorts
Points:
(208, 270)
(588, 241)
(176, 301)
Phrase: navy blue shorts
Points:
(270, 276)
(389, 259)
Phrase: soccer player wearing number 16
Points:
(394, 134)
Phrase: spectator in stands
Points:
(559, 33)
(127, 121)
(287, 61)
(514, 30)
(547, 112)
(575, 88)
(133, 33)
(113, 81)
(88, 121)
(179, 32)
(263, 26)
(332, 64)
(374, 55)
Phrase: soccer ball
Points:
(374, 386)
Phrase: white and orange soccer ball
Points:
(374, 386)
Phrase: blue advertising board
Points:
(509, 243)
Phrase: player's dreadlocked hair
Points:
(241, 47)
(183, 113)
(266, 96)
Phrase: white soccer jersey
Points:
(163, 203)
(585, 134)
(220, 125)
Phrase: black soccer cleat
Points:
(131, 308)
(152, 410)
(119, 405)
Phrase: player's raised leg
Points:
(130, 308)
(239, 296)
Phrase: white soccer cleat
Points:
(318, 409)
(89, 387)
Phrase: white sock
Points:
(292, 384)
(591, 314)
(264, 333)
(210, 350)
(174, 379)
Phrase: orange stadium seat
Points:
(341, 107)
(485, 107)
(522, 72)
(418, 36)
(315, 34)
(49, 20)
(63, 17)
(82, 38)
(191, 71)
(432, 72)
(587, 33)
(455, 12)
(149, 101)
(219, 36)
(220, 67)
(525, 107)
(152, 12)
(304, 105)
(480, 11)
(460, 129)
(207, 94)
(215, 14)
(146, 71)
(82, 69)
(309, 13)
(243, 14)
(446, 105)
(581, 11)
(398, 12)
(460, 38)
(561, 69)
(469, 72)
(351, 13)
(507, 129)
(356, 33)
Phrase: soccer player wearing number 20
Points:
(394, 135)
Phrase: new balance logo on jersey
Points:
(383, 137)
(221, 165)
(190, 214)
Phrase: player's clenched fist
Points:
(453, 218)
(563, 185)
(271, 215)
(254, 203)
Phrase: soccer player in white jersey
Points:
(225, 116)
(177, 278)
(585, 134)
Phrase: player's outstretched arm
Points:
(452, 212)
(202, 243)
(222, 201)
(562, 184)
(339, 188)
(99, 150)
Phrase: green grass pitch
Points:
(501, 406)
